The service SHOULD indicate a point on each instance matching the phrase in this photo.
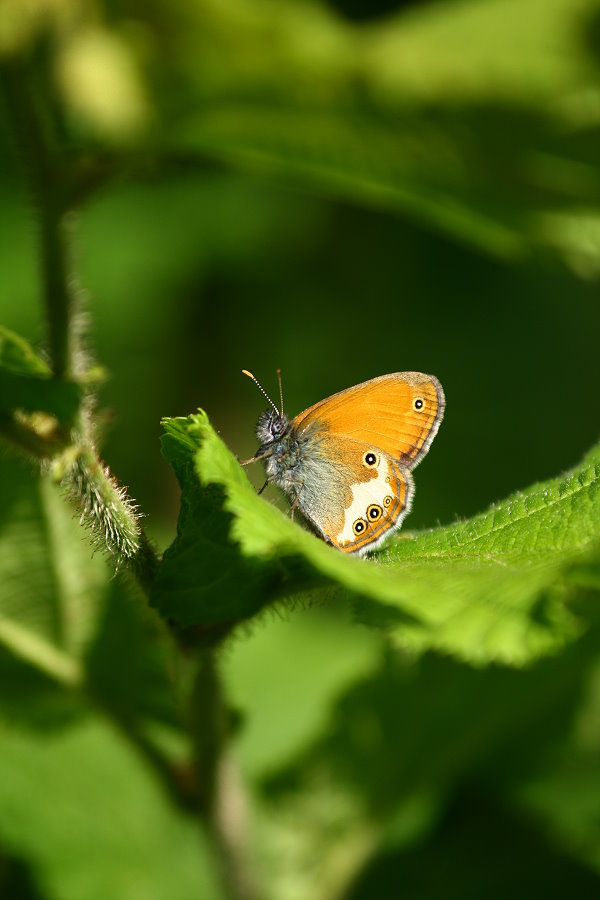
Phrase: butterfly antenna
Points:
(280, 389)
(261, 388)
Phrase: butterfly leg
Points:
(257, 458)
(263, 487)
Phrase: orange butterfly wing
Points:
(399, 413)
(354, 506)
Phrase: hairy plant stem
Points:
(214, 791)
(46, 171)
(108, 513)
(105, 508)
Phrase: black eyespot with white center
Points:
(359, 527)
(418, 404)
(387, 501)
(370, 459)
(374, 512)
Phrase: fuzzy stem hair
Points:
(111, 517)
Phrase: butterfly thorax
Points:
(279, 448)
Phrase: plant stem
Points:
(221, 796)
(60, 290)
(46, 172)
(105, 508)
(110, 515)
(104, 505)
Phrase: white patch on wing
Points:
(363, 494)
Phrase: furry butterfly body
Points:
(346, 462)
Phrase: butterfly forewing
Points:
(399, 413)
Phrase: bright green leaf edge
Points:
(496, 588)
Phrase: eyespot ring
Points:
(387, 501)
(359, 527)
(374, 512)
(418, 404)
(370, 459)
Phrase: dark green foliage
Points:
(26, 383)
(341, 190)
(479, 849)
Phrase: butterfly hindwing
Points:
(378, 508)
(353, 492)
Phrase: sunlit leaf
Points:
(493, 588)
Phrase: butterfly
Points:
(346, 463)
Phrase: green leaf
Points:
(376, 164)
(26, 382)
(49, 603)
(131, 660)
(397, 746)
(457, 859)
(458, 115)
(563, 791)
(318, 656)
(496, 722)
(400, 743)
(493, 588)
(50, 583)
(16, 355)
(201, 573)
(66, 622)
(93, 822)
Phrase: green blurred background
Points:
(344, 189)
(193, 272)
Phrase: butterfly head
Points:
(271, 427)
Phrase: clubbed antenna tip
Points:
(261, 389)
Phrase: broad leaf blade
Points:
(49, 579)
(198, 581)
(455, 114)
(494, 588)
(51, 593)
(94, 823)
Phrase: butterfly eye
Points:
(418, 404)
(370, 459)
(277, 427)
(374, 512)
(359, 527)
